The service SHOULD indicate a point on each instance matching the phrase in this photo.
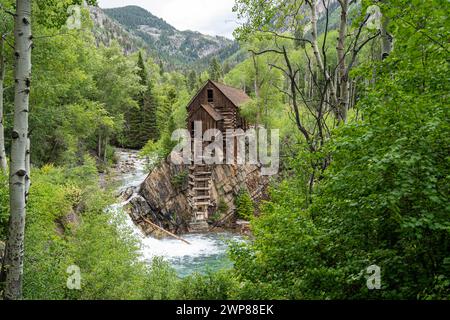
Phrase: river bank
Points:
(205, 251)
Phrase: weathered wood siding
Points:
(221, 103)
(200, 114)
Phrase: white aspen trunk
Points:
(3, 163)
(343, 78)
(386, 39)
(18, 175)
(28, 168)
(317, 55)
(256, 84)
(315, 46)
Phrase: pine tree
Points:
(226, 67)
(141, 123)
(192, 80)
(149, 124)
(244, 205)
(215, 70)
(161, 68)
(165, 111)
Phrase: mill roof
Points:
(237, 96)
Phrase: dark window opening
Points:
(210, 95)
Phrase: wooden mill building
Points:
(217, 106)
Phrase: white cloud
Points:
(214, 17)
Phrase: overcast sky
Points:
(213, 17)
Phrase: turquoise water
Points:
(205, 251)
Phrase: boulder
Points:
(126, 195)
(138, 208)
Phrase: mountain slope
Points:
(106, 30)
(139, 28)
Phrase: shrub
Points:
(212, 286)
(161, 281)
(244, 205)
(179, 179)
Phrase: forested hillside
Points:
(106, 30)
(176, 48)
(358, 89)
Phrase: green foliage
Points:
(161, 149)
(261, 82)
(244, 205)
(383, 199)
(79, 95)
(215, 70)
(222, 207)
(180, 179)
(134, 16)
(116, 272)
(141, 122)
(276, 258)
(62, 201)
(212, 286)
(54, 13)
(221, 211)
(161, 282)
(67, 224)
(153, 150)
(166, 139)
(192, 79)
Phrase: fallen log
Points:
(165, 231)
(221, 221)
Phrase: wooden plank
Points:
(165, 231)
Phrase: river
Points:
(205, 251)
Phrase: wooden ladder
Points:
(199, 192)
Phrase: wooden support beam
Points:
(165, 231)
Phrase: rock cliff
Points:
(163, 197)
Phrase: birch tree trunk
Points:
(2, 130)
(343, 77)
(27, 168)
(315, 46)
(18, 173)
(256, 84)
(333, 97)
(386, 39)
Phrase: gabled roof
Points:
(237, 96)
(212, 112)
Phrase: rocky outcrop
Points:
(163, 197)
